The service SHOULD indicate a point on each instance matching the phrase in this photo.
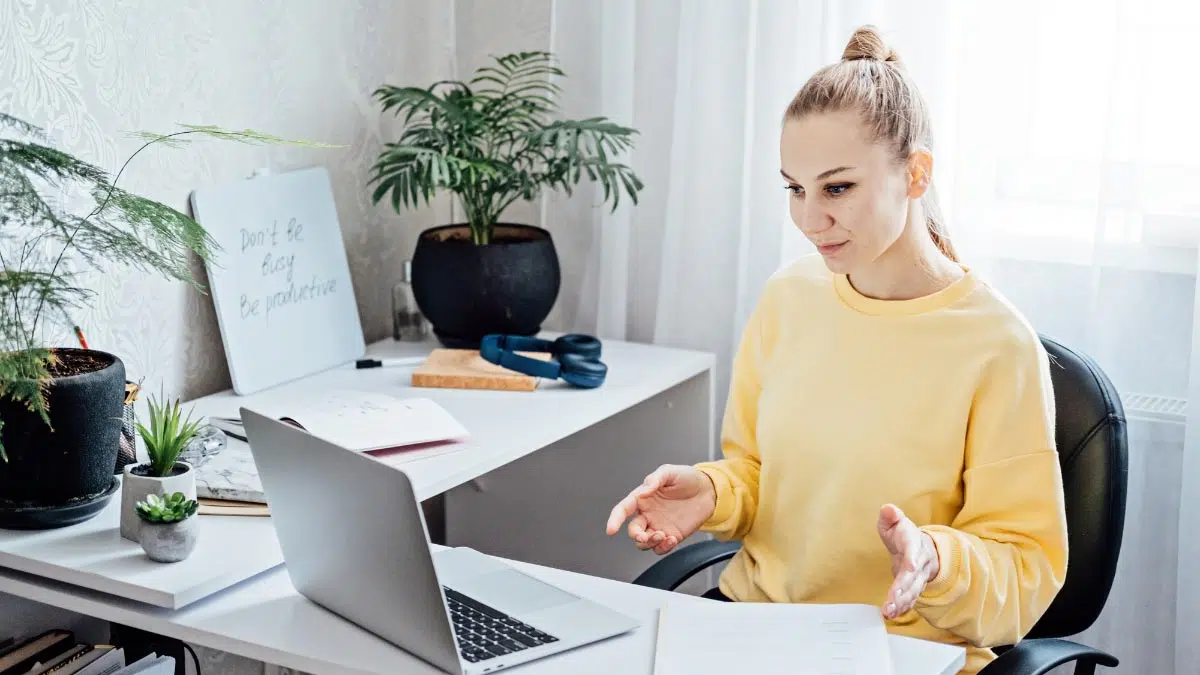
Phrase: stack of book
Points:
(397, 430)
(58, 652)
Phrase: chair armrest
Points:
(1040, 656)
(682, 563)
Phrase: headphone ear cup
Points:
(579, 344)
(582, 371)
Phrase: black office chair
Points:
(1093, 452)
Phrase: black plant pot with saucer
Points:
(469, 290)
(62, 474)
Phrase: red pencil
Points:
(79, 334)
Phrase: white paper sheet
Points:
(743, 637)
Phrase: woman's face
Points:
(849, 195)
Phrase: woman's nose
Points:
(814, 219)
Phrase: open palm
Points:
(914, 559)
(666, 508)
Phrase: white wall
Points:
(90, 70)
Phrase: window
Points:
(1072, 133)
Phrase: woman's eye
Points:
(838, 189)
(796, 190)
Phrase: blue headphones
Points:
(576, 357)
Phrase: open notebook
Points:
(748, 637)
(362, 421)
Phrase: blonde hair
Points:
(871, 80)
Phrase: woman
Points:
(889, 432)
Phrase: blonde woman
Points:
(889, 431)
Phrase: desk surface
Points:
(265, 619)
(505, 426)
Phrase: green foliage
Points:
(170, 509)
(37, 234)
(491, 141)
(167, 435)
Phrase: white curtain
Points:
(1067, 170)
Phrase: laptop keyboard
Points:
(484, 633)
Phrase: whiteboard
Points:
(280, 282)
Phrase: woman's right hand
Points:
(671, 504)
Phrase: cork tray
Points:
(466, 369)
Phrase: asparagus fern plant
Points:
(493, 140)
(46, 248)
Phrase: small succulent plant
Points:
(167, 435)
(171, 508)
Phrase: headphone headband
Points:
(502, 351)
(575, 357)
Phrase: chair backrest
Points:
(1093, 452)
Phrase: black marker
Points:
(389, 363)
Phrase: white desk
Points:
(505, 427)
(267, 620)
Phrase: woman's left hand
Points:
(914, 559)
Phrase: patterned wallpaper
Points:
(90, 70)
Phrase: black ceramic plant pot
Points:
(65, 475)
(468, 290)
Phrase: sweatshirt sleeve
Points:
(1004, 557)
(735, 477)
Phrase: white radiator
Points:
(1138, 622)
(1155, 407)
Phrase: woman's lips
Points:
(830, 249)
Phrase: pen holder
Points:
(127, 442)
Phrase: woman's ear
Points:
(920, 172)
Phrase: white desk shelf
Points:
(92, 554)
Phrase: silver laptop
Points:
(354, 541)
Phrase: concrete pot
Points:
(61, 473)
(468, 290)
(135, 487)
(169, 542)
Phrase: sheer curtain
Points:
(1063, 160)
(704, 84)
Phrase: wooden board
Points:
(280, 282)
(466, 369)
(221, 507)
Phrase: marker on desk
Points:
(389, 363)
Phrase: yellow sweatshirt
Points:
(840, 403)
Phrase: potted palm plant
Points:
(168, 532)
(491, 141)
(61, 407)
(164, 439)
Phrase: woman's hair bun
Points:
(867, 43)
